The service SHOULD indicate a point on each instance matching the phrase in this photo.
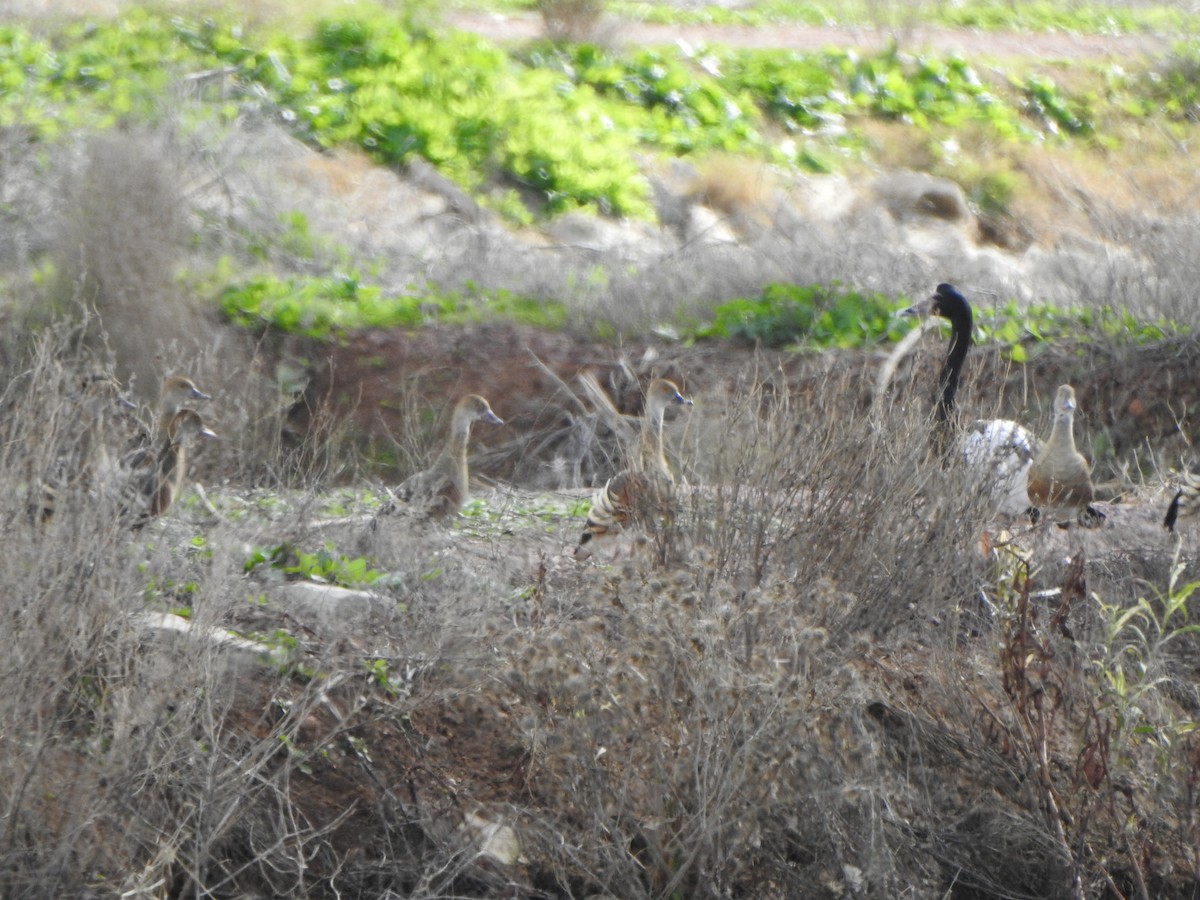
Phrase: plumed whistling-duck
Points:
(1186, 501)
(998, 451)
(644, 490)
(1060, 476)
(443, 489)
(153, 487)
(177, 392)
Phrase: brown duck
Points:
(176, 393)
(441, 490)
(1060, 477)
(644, 490)
(155, 485)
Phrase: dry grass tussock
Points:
(120, 241)
(817, 680)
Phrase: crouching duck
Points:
(441, 490)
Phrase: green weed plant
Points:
(325, 307)
(564, 123)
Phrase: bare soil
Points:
(970, 43)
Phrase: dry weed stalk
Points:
(1031, 680)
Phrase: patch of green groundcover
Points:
(991, 15)
(782, 315)
(821, 316)
(326, 306)
(566, 124)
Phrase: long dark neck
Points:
(960, 343)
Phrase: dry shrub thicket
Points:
(821, 681)
(815, 684)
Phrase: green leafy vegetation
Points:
(1174, 87)
(561, 123)
(1108, 18)
(816, 316)
(326, 564)
(93, 74)
(685, 107)
(1136, 641)
(1020, 330)
(327, 306)
(811, 315)
(807, 91)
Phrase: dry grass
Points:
(832, 676)
(740, 189)
(819, 681)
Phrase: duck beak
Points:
(681, 400)
(492, 418)
(921, 308)
(198, 394)
(205, 431)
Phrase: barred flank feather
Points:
(610, 510)
(1185, 502)
(643, 493)
(626, 499)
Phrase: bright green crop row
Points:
(1012, 15)
(567, 124)
(816, 316)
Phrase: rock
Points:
(328, 603)
(911, 195)
(592, 233)
(706, 228)
(170, 624)
(497, 842)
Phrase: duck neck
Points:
(456, 446)
(653, 451)
(1062, 434)
(171, 461)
